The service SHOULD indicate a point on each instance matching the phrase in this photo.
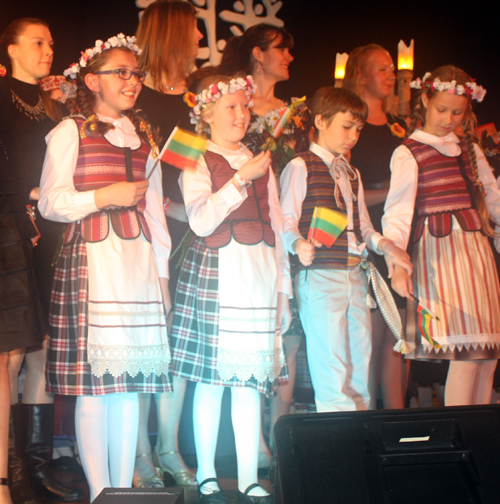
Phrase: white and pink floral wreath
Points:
(469, 89)
(119, 40)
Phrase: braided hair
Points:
(449, 73)
(86, 101)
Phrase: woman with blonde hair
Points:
(169, 39)
(370, 74)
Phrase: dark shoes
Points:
(244, 498)
(215, 497)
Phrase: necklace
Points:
(36, 113)
(169, 88)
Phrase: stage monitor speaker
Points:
(413, 456)
(141, 496)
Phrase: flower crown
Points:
(469, 89)
(215, 91)
(119, 40)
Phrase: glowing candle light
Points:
(340, 63)
(405, 55)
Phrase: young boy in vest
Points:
(331, 285)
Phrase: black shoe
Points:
(39, 452)
(19, 484)
(244, 498)
(216, 497)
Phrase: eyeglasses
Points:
(125, 73)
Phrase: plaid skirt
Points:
(195, 328)
(68, 371)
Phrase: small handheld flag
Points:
(326, 225)
(182, 149)
(424, 321)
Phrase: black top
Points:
(165, 112)
(372, 154)
(372, 157)
(27, 156)
(21, 320)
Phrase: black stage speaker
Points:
(415, 456)
(141, 496)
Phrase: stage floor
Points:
(226, 470)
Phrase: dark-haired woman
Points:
(28, 43)
(263, 51)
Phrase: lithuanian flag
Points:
(184, 148)
(285, 116)
(326, 225)
(424, 322)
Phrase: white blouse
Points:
(400, 203)
(206, 210)
(61, 202)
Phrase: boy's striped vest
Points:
(101, 164)
(320, 192)
(250, 223)
(444, 189)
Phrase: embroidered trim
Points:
(262, 365)
(117, 360)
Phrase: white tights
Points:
(245, 416)
(106, 432)
(469, 382)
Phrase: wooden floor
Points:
(226, 470)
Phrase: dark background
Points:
(444, 32)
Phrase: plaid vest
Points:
(101, 164)
(250, 223)
(321, 192)
(445, 189)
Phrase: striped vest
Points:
(101, 164)
(321, 192)
(250, 223)
(445, 189)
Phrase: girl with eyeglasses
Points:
(110, 297)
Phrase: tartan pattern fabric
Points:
(321, 192)
(195, 328)
(68, 371)
(442, 191)
(248, 224)
(100, 164)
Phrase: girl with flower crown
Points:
(441, 199)
(110, 298)
(232, 297)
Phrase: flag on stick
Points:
(182, 149)
(326, 225)
(424, 321)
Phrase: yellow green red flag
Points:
(184, 148)
(326, 225)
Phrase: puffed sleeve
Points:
(400, 203)
(284, 282)
(155, 217)
(59, 200)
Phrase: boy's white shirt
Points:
(206, 210)
(293, 183)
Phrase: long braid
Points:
(452, 73)
(478, 186)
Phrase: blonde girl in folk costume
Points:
(444, 184)
(110, 297)
(232, 297)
